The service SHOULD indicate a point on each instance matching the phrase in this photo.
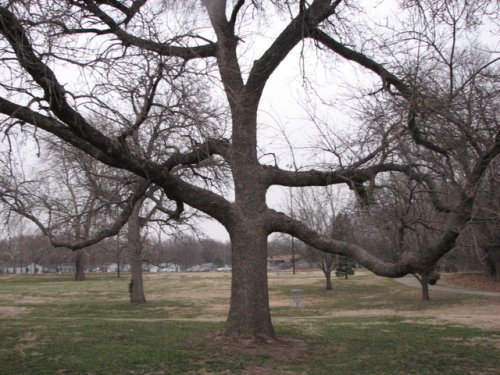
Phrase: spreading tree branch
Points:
(387, 78)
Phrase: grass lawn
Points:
(367, 325)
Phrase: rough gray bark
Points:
(249, 313)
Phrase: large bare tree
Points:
(203, 44)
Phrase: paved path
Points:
(413, 282)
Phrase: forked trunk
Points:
(134, 247)
(79, 266)
(249, 314)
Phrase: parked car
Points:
(207, 267)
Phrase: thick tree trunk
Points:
(79, 266)
(249, 314)
(134, 246)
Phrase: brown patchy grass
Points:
(484, 316)
(468, 312)
(27, 300)
(26, 342)
(13, 311)
(214, 288)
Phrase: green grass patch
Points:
(53, 325)
(102, 346)
(391, 346)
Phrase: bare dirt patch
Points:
(273, 353)
(281, 350)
